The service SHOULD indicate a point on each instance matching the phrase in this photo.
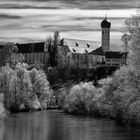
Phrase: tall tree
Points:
(9, 55)
(133, 29)
(53, 43)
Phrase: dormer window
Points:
(88, 45)
(86, 51)
(76, 44)
(74, 50)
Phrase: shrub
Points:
(83, 99)
(123, 93)
(118, 99)
(41, 88)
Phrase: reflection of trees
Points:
(51, 125)
(25, 127)
(35, 126)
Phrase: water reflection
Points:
(53, 125)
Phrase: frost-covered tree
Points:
(24, 89)
(6, 74)
(9, 55)
(83, 99)
(133, 29)
(41, 87)
(23, 86)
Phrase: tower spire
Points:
(105, 25)
(105, 15)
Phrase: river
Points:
(55, 125)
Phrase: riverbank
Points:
(24, 89)
(118, 99)
(29, 90)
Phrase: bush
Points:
(118, 99)
(123, 93)
(41, 88)
(83, 99)
(61, 96)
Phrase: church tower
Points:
(105, 25)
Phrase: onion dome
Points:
(105, 23)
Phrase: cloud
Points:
(6, 16)
(61, 4)
(36, 23)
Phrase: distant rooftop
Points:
(81, 46)
(30, 47)
(108, 54)
(98, 51)
(115, 55)
(85, 46)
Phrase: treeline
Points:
(24, 89)
(119, 99)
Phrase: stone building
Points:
(89, 54)
(112, 58)
(34, 53)
(74, 53)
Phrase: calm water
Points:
(54, 125)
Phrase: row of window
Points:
(75, 56)
(40, 57)
(105, 32)
(83, 57)
(115, 60)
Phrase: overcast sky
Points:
(34, 20)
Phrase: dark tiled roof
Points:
(1, 46)
(109, 54)
(80, 46)
(98, 51)
(30, 47)
(115, 55)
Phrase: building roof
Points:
(109, 54)
(98, 51)
(2, 44)
(80, 46)
(30, 47)
(115, 55)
